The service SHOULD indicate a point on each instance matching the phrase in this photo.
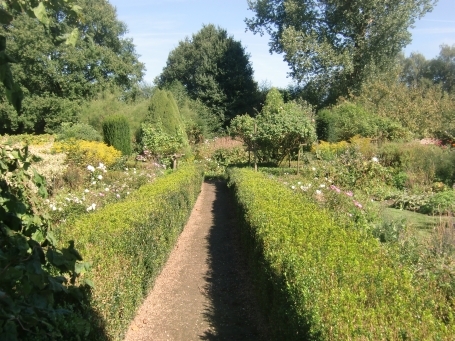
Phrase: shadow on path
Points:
(232, 314)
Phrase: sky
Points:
(157, 26)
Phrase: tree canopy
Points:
(53, 76)
(332, 46)
(214, 68)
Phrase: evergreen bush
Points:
(116, 131)
(78, 131)
(345, 121)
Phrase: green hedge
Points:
(317, 281)
(128, 243)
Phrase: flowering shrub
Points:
(329, 151)
(87, 152)
(102, 186)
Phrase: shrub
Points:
(345, 121)
(329, 151)
(423, 164)
(39, 291)
(78, 131)
(440, 203)
(128, 242)
(318, 281)
(116, 131)
(158, 142)
(163, 109)
(87, 152)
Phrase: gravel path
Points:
(203, 292)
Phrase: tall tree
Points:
(53, 76)
(214, 68)
(38, 10)
(334, 45)
(441, 70)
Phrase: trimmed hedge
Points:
(116, 132)
(317, 281)
(128, 243)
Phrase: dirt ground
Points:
(204, 291)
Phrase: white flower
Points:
(374, 159)
(107, 189)
(322, 185)
(313, 169)
(91, 168)
(100, 177)
(293, 187)
(118, 195)
(86, 190)
(94, 183)
(318, 192)
(299, 183)
(92, 207)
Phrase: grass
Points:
(413, 219)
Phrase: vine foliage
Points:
(40, 294)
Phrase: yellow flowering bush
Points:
(328, 151)
(363, 145)
(87, 152)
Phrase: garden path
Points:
(204, 291)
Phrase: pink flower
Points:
(335, 188)
(101, 194)
(357, 204)
(349, 193)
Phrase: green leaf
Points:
(15, 96)
(89, 283)
(2, 43)
(6, 76)
(41, 15)
(4, 58)
(9, 332)
(73, 37)
(5, 17)
(38, 236)
(77, 9)
(50, 237)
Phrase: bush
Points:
(163, 109)
(423, 164)
(78, 131)
(159, 143)
(128, 243)
(344, 121)
(39, 288)
(116, 131)
(87, 153)
(441, 203)
(318, 281)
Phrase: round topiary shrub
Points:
(78, 131)
(116, 131)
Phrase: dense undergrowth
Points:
(317, 280)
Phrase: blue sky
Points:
(157, 26)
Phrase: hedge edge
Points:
(128, 243)
(317, 281)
